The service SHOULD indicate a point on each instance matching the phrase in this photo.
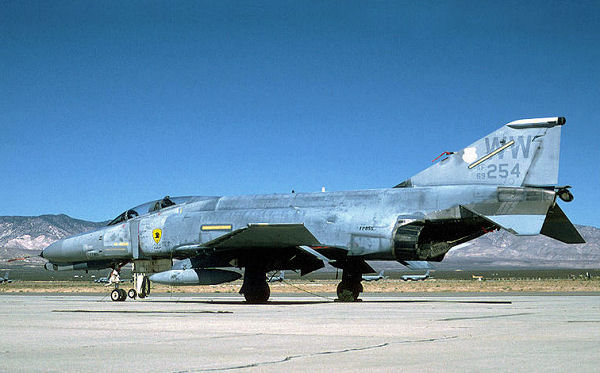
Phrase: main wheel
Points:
(132, 293)
(258, 294)
(122, 295)
(115, 295)
(349, 292)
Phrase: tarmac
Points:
(219, 332)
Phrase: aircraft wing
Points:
(255, 236)
(296, 240)
(265, 235)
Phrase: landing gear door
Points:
(134, 240)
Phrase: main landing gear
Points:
(255, 287)
(350, 288)
(349, 292)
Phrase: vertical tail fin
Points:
(521, 158)
(521, 153)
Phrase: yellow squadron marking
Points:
(157, 234)
(219, 227)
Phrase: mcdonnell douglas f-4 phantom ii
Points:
(506, 180)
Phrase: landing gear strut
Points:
(255, 287)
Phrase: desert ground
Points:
(320, 287)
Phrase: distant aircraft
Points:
(416, 277)
(101, 280)
(279, 278)
(378, 277)
(506, 180)
(5, 280)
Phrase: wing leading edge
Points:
(257, 236)
(265, 235)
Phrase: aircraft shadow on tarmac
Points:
(241, 301)
(308, 302)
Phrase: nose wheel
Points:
(118, 295)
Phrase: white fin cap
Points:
(537, 122)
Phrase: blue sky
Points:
(105, 105)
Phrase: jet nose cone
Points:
(52, 251)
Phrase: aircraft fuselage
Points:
(365, 222)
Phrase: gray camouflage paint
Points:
(509, 188)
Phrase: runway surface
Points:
(217, 333)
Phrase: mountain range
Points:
(28, 235)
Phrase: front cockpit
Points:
(129, 214)
(150, 208)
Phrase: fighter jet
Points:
(505, 180)
(101, 280)
(416, 277)
(377, 277)
(5, 280)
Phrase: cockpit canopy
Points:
(159, 205)
(150, 207)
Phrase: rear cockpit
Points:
(163, 203)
